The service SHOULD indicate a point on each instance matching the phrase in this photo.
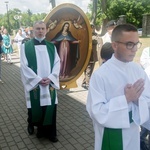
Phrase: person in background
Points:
(118, 98)
(7, 46)
(90, 67)
(29, 32)
(106, 52)
(18, 39)
(145, 63)
(2, 29)
(0, 58)
(109, 27)
(145, 57)
(23, 31)
(29, 36)
(106, 37)
(40, 67)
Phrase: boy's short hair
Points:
(119, 29)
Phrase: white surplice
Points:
(106, 38)
(145, 57)
(30, 79)
(107, 104)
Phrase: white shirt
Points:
(18, 38)
(106, 38)
(145, 57)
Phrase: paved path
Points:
(75, 131)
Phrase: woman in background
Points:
(18, 39)
(7, 46)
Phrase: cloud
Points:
(39, 6)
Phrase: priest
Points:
(40, 66)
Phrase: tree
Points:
(25, 19)
(133, 10)
(94, 12)
(112, 9)
(14, 24)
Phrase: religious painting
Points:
(69, 30)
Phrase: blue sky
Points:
(39, 6)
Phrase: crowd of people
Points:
(7, 44)
(6, 48)
(118, 91)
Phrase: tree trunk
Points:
(94, 12)
(104, 8)
(53, 3)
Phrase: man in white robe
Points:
(145, 63)
(40, 66)
(119, 97)
(18, 39)
(145, 57)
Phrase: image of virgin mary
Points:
(68, 52)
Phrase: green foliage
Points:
(133, 9)
(25, 19)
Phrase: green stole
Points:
(112, 138)
(36, 109)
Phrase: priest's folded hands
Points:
(134, 91)
(45, 82)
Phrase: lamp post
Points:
(7, 16)
(17, 17)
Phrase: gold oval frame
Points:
(65, 10)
